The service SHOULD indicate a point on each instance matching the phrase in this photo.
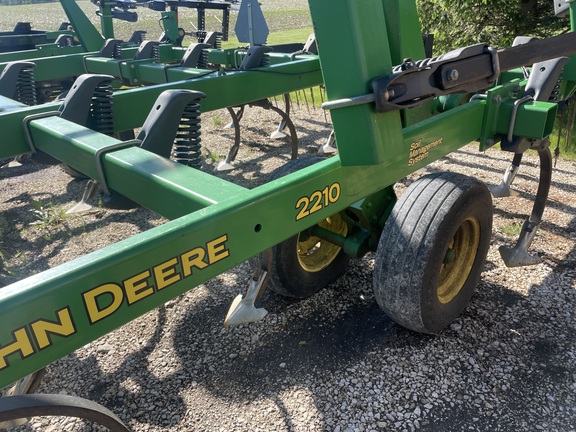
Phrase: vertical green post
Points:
(89, 37)
(354, 48)
(404, 31)
(106, 19)
(569, 73)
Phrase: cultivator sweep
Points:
(392, 115)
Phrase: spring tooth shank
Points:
(26, 86)
(187, 146)
(101, 111)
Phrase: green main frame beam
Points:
(132, 106)
(215, 224)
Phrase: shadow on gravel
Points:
(304, 345)
(309, 342)
(40, 210)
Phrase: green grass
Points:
(299, 35)
(310, 96)
(513, 229)
(217, 121)
(48, 216)
(566, 151)
(290, 36)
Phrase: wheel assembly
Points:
(305, 263)
(432, 251)
(315, 254)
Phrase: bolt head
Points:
(452, 74)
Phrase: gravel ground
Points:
(333, 362)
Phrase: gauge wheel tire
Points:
(432, 251)
(303, 264)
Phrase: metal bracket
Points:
(76, 105)
(214, 39)
(102, 151)
(110, 48)
(146, 50)
(517, 104)
(562, 7)
(465, 70)
(26, 123)
(540, 87)
(254, 57)
(193, 55)
(160, 127)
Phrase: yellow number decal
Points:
(317, 200)
(303, 202)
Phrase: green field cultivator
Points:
(203, 65)
(393, 111)
(78, 36)
(22, 37)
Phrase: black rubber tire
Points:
(286, 274)
(413, 259)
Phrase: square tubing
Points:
(90, 296)
(363, 136)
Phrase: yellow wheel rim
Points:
(458, 260)
(315, 254)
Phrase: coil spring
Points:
(409, 64)
(101, 111)
(117, 53)
(156, 53)
(218, 43)
(186, 149)
(203, 60)
(26, 87)
(265, 60)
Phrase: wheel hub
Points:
(458, 260)
(314, 253)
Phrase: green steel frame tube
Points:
(132, 106)
(217, 225)
(89, 37)
(79, 301)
